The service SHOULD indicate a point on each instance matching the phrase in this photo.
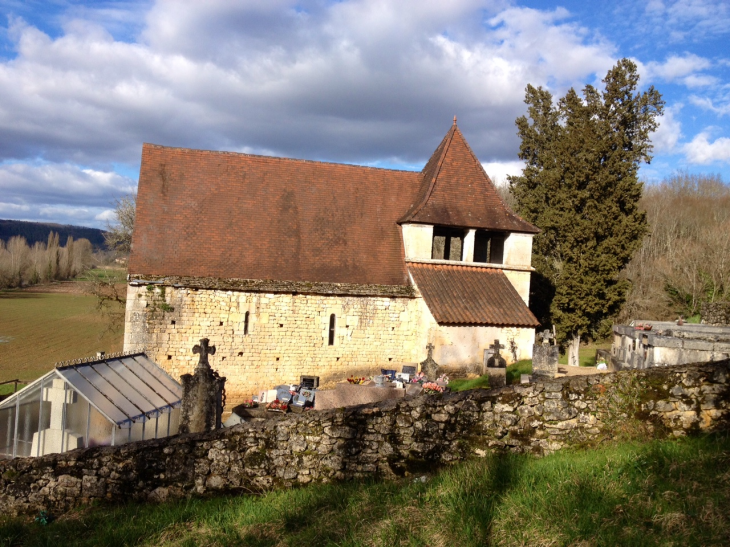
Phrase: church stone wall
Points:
(287, 334)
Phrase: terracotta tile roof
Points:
(470, 295)
(239, 216)
(456, 191)
(228, 215)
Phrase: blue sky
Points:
(84, 84)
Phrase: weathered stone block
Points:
(545, 361)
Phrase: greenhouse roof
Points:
(124, 388)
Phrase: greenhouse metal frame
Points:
(108, 401)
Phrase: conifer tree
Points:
(580, 187)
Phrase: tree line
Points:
(684, 260)
(22, 264)
(34, 232)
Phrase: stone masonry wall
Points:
(287, 335)
(385, 440)
(716, 313)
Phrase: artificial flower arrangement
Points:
(418, 378)
(357, 380)
(432, 388)
(277, 406)
(249, 404)
(443, 379)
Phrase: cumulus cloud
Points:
(353, 81)
(683, 69)
(348, 81)
(701, 151)
(74, 195)
(499, 171)
(669, 132)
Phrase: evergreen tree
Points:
(580, 187)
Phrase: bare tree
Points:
(111, 300)
(119, 233)
(684, 261)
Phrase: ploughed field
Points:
(672, 492)
(37, 329)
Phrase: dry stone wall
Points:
(716, 313)
(385, 440)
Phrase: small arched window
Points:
(331, 339)
(245, 323)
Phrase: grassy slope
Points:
(47, 327)
(658, 493)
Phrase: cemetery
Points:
(644, 344)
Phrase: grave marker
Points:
(203, 394)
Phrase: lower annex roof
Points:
(471, 295)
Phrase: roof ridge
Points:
(280, 158)
(474, 156)
(444, 146)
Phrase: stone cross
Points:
(204, 350)
(496, 347)
(430, 348)
(546, 336)
(430, 367)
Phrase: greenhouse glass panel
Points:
(28, 407)
(7, 431)
(105, 402)
(100, 429)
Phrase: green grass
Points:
(586, 354)
(6, 389)
(516, 369)
(482, 382)
(39, 329)
(116, 275)
(632, 494)
(462, 384)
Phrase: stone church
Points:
(294, 267)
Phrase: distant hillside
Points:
(38, 231)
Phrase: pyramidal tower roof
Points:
(456, 191)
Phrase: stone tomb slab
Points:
(347, 394)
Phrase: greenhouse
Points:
(103, 402)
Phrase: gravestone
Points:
(495, 366)
(545, 361)
(430, 367)
(545, 356)
(203, 394)
(496, 360)
(545, 336)
(408, 369)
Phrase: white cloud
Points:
(498, 171)
(61, 183)
(683, 69)
(347, 81)
(352, 81)
(669, 132)
(707, 104)
(106, 216)
(701, 151)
